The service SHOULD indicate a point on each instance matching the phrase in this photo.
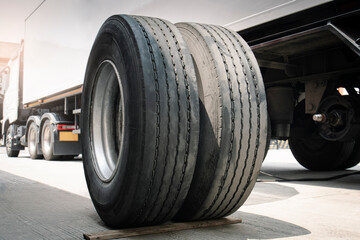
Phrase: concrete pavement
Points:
(48, 200)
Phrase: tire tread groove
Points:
(153, 172)
(257, 141)
(188, 116)
(168, 117)
(223, 178)
(241, 119)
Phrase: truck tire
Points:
(47, 141)
(354, 158)
(313, 152)
(268, 139)
(140, 121)
(233, 122)
(9, 142)
(319, 154)
(32, 141)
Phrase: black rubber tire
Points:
(32, 141)
(354, 158)
(9, 143)
(159, 130)
(47, 142)
(268, 139)
(320, 155)
(313, 152)
(233, 122)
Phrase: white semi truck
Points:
(174, 121)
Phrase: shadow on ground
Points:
(60, 159)
(282, 164)
(31, 210)
(253, 227)
(314, 178)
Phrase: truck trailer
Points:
(173, 121)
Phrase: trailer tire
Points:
(10, 132)
(47, 141)
(32, 141)
(313, 152)
(233, 122)
(319, 154)
(354, 158)
(268, 139)
(140, 138)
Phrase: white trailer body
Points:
(58, 38)
(59, 34)
(11, 103)
(175, 118)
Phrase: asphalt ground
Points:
(49, 200)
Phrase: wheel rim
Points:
(8, 140)
(107, 121)
(46, 139)
(32, 140)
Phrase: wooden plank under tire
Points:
(171, 227)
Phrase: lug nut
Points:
(319, 117)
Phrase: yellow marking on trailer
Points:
(68, 136)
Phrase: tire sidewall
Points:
(9, 131)
(32, 151)
(50, 154)
(106, 195)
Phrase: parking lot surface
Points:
(49, 200)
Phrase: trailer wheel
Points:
(320, 155)
(354, 158)
(312, 151)
(233, 122)
(268, 139)
(9, 142)
(140, 121)
(32, 141)
(47, 141)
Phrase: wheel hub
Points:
(107, 121)
(335, 120)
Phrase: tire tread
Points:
(243, 122)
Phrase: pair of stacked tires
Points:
(174, 121)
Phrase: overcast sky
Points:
(12, 17)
